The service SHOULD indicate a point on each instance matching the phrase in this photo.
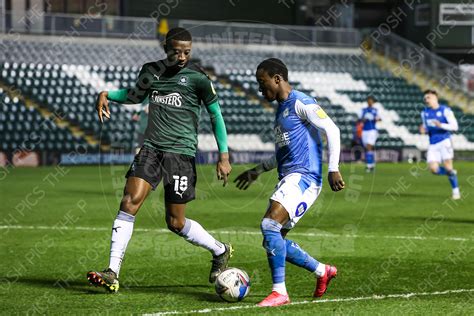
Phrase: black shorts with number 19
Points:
(177, 171)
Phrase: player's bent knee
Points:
(270, 224)
(130, 203)
(175, 225)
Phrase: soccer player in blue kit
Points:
(298, 157)
(439, 121)
(369, 117)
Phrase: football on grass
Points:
(233, 285)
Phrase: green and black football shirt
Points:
(176, 95)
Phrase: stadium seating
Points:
(341, 80)
(23, 127)
(65, 79)
(65, 96)
(239, 66)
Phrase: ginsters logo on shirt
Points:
(174, 99)
(281, 138)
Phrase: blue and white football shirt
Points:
(445, 116)
(298, 143)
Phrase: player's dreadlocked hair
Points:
(274, 66)
(178, 34)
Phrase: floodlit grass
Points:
(392, 232)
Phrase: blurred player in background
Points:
(439, 121)
(298, 157)
(369, 117)
(176, 90)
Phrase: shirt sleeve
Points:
(423, 121)
(205, 91)
(452, 124)
(316, 116)
(142, 86)
(218, 126)
(138, 93)
(267, 165)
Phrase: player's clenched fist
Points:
(102, 106)
(335, 181)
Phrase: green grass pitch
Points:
(400, 244)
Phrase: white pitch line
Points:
(242, 232)
(331, 300)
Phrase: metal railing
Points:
(146, 28)
(78, 25)
(418, 58)
(254, 33)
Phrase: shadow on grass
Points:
(399, 195)
(446, 219)
(84, 191)
(198, 291)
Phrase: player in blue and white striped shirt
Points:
(298, 157)
(439, 121)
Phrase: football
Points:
(233, 285)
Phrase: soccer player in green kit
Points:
(176, 89)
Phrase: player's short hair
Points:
(372, 98)
(178, 34)
(430, 91)
(274, 66)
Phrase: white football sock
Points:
(280, 288)
(121, 233)
(320, 270)
(456, 191)
(197, 235)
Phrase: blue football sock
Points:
(441, 171)
(275, 246)
(453, 179)
(299, 257)
(370, 158)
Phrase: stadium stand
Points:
(65, 78)
(340, 79)
(23, 127)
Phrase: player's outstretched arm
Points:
(130, 96)
(223, 167)
(246, 178)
